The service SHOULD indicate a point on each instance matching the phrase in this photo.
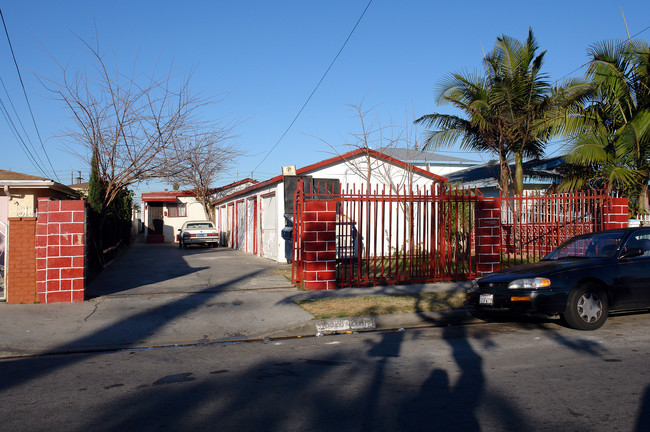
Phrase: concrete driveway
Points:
(165, 268)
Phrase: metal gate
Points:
(409, 235)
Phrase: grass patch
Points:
(383, 304)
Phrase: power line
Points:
(313, 91)
(22, 84)
(585, 64)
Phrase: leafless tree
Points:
(134, 125)
(381, 138)
(202, 157)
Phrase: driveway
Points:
(165, 268)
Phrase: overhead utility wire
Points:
(313, 91)
(19, 138)
(16, 132)
(22, 84)
(585, 64)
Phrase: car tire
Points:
(586, 308)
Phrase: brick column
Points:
(616, 213)
(61, 251)
(21, 261)
(319, 245)
(488, 236)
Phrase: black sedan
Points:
(582, 280)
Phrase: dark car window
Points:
(640, 241)
(595, 245)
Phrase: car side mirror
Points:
(631, 253)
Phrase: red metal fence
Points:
(394, 237)
(534, 225)
(429, 234)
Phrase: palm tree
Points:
(511, 110)
(525, 93)
(482, 128)
(615, 138)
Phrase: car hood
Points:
(542, 268)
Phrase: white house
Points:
(252, 219)
(166, 211)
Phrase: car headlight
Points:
(475, 283)
(530, 283)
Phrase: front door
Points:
(155, 222)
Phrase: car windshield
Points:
(203, 225)
(597, 245)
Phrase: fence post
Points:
(319, 244)
(60, 251)
(616, 213)
(488, 236)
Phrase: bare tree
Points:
(374, 136)
(133, 125)
(202, 158)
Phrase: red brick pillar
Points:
(21, 264)
(488, 236)
(61, 251)
(616, 213)
(319, 245)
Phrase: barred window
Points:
(176, 210)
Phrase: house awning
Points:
(159, 199)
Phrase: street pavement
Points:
(158, 295)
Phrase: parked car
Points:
(582, 280)
(198, 232)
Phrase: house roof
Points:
(418, 156)
(171, 196)
(80, 186)
(332, 161)
(489, 173)
(13, 180)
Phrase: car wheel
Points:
(586, 308)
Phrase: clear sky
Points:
(266, 57)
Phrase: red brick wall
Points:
(319, 245)
(488, 236)
(21, 265)
(60, 251)
(616, 215)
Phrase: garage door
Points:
(269, 227)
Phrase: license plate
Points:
(200, 235)
(486, 299)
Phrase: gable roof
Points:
(419, 156)
(171, 196)
(333, 161)
(26, 181)
(541, 169)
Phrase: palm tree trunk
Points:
(505, 175)
(643, 199)
(519, 174)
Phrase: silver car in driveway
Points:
(198, 232)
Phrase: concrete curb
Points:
(376, 323)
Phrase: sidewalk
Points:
(188, 302)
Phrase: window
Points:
(176, 210)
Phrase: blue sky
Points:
(266, 57)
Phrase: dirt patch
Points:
(383, 305)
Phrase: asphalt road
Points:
(525, 376)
